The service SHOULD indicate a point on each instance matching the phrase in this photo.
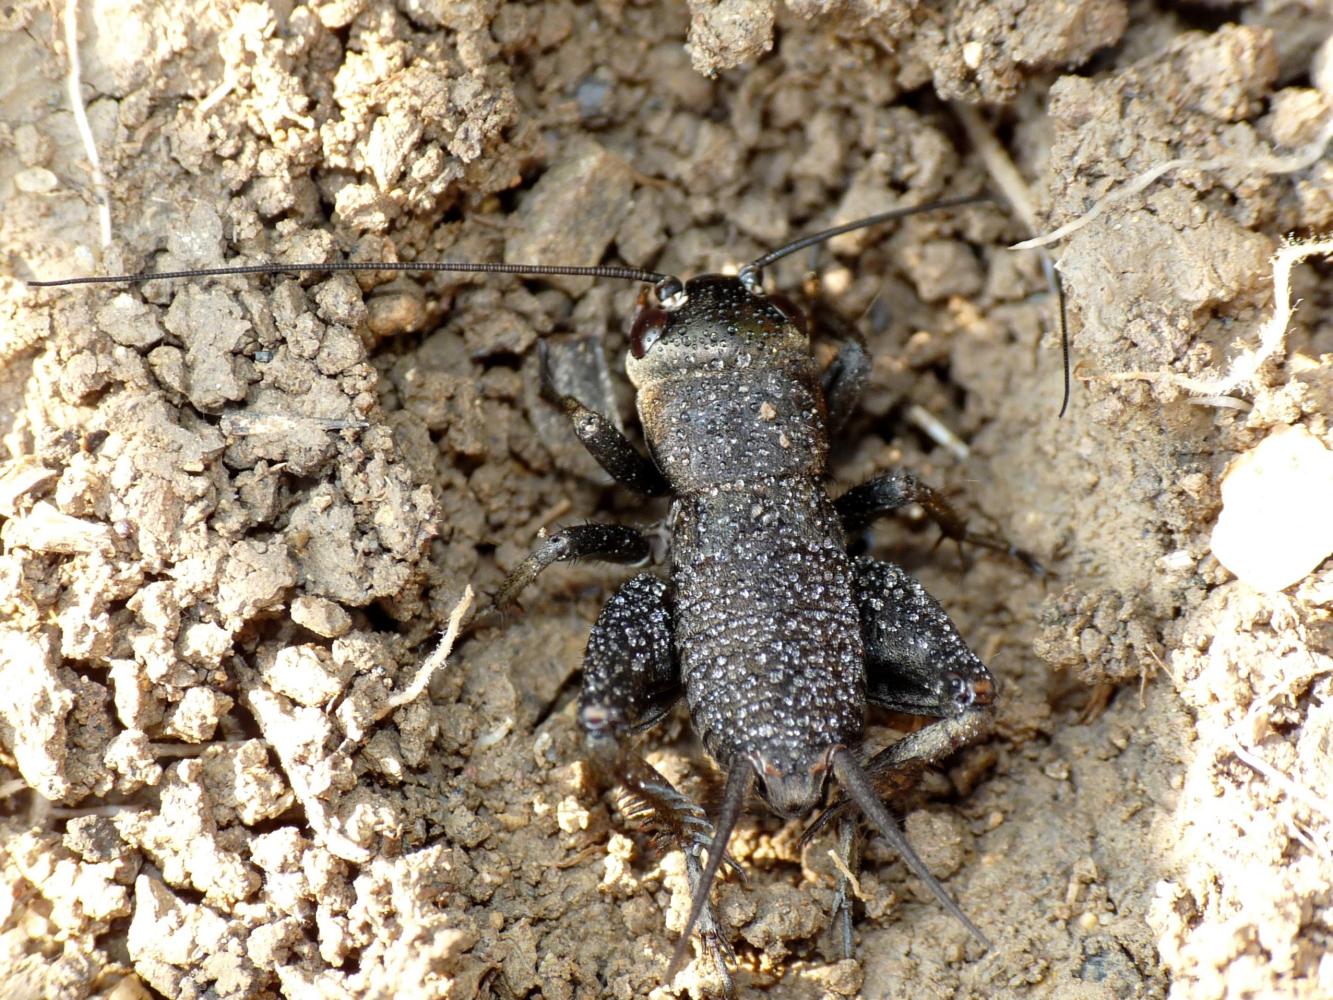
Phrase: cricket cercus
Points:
(778, 638)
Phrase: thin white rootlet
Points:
(1245, 365)
(1289, 163)
(436, 659)
(74, 82)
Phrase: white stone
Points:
(1276, 523)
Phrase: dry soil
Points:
(235, 513)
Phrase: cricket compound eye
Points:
(649, 325)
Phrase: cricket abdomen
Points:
(766, 627)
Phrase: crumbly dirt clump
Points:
(235, 513)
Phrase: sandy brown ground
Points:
(235, 513)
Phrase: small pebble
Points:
(36, 180)
(1057, 770)
(321, 616)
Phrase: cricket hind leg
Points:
(630, 680)
(918, 664)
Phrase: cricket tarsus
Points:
(893, 490)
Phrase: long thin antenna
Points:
(733, 800)
(1004, 173)
(752, 274)
(1053, 279)
(424, 267)
(856, 783)
(670, 290)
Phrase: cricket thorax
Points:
(708, 430)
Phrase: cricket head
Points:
(721, 327)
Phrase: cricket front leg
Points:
(612, 450)
(844, 380)
(615, 543)
(630, 680)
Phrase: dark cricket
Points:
(778, 638)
